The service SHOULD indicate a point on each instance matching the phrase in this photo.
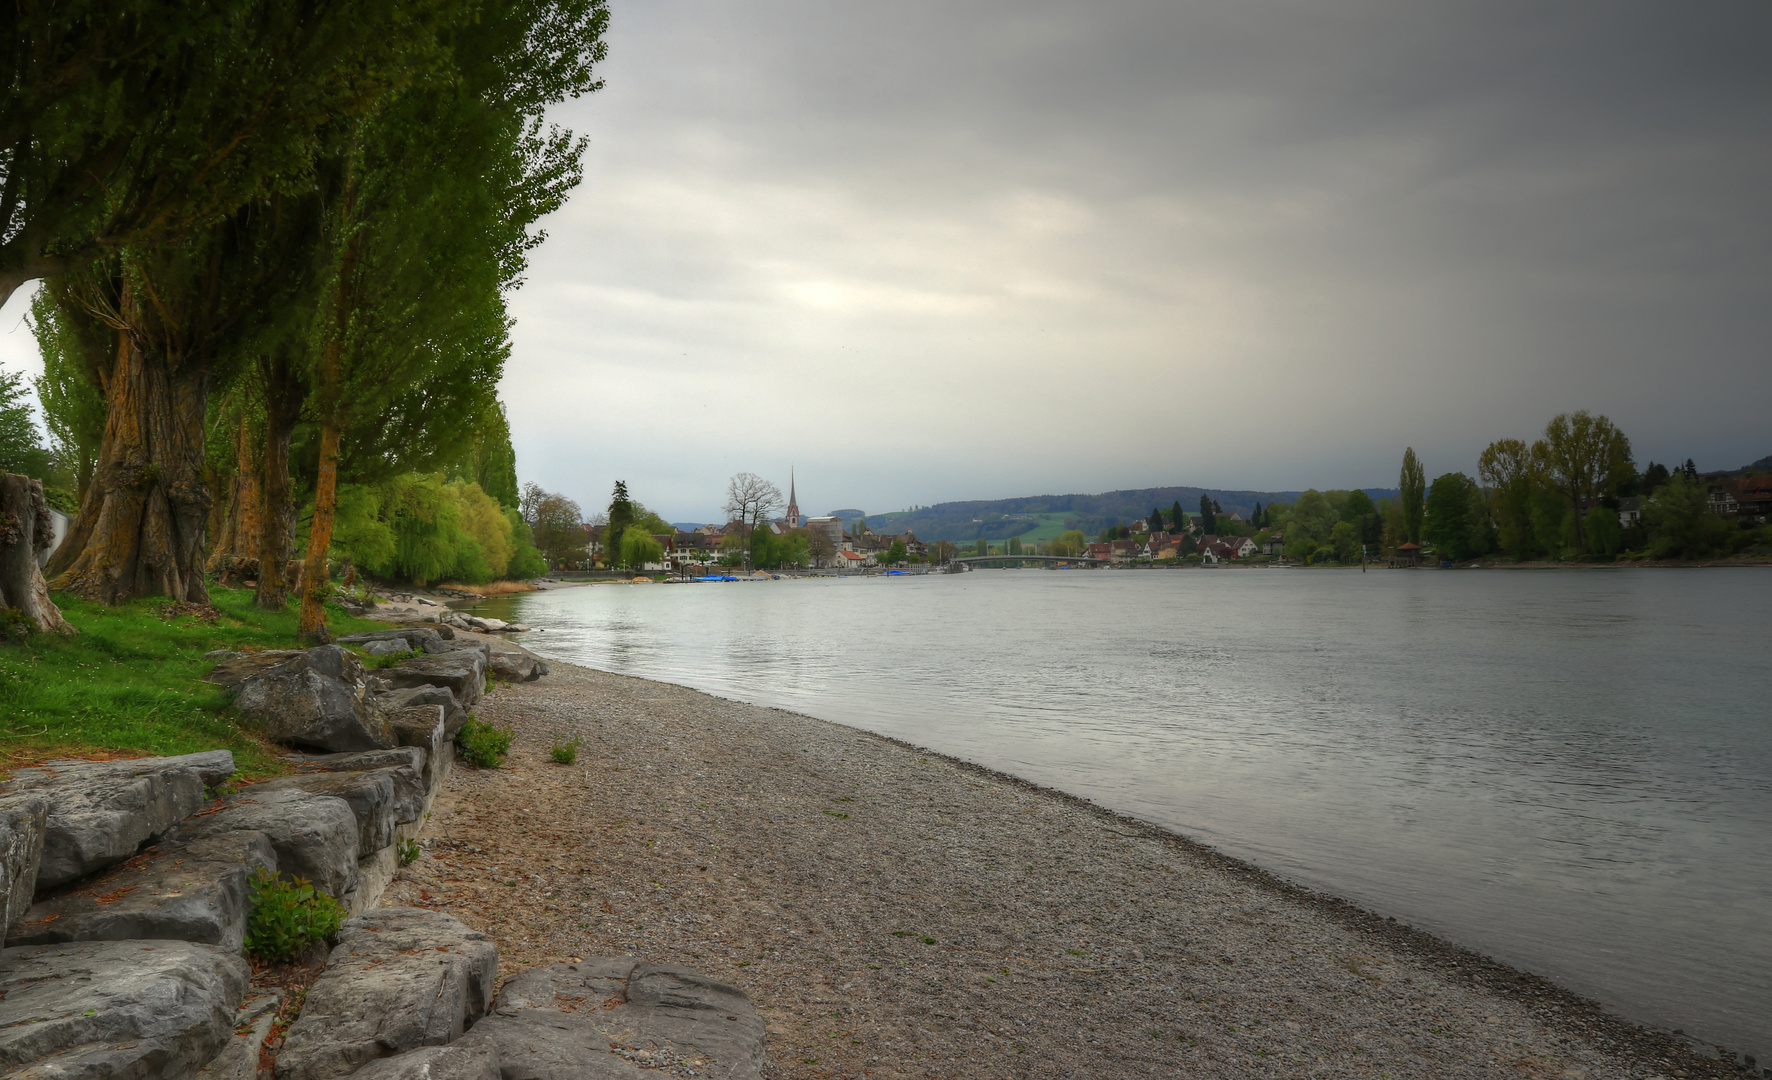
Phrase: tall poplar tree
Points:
(435, 199)
(1413, 494)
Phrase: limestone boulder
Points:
(100, 1009)
(235, 668)
(100, 812)
(460, 671)
(395, 701)
(468, 1058)
(517, 666)
(421, 728)
(315, 698)
(413, 638)
(315, 836)
(189, 891)
(377, 802)
(22, 821)
(399, 979)
(620, 1017)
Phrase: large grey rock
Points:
(461, 671)
(317, 698)
(517, 667)
(468, 1058)
(236, 668)
(100, 812)
(238, 1059)
(395, 701)
(189, 891)
(422, 728)
(374, 874)
(315, 836)
(94, 1010)
(399, 979)
(619, 1017)
(22, 820)
(381, 799)
(415, 638)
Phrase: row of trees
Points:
(1555, 498)
(274, 240)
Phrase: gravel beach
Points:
(896, 913)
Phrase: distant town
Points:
(1574, 496)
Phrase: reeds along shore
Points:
(896, 913)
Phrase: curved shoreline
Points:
(1340, 999)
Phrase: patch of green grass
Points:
(130, 683)
(565, 753)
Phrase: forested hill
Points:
(1042, 517)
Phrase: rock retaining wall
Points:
(125, 893)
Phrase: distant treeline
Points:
(998, 519)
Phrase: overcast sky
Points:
(928, 251)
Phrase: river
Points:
(1567, 770)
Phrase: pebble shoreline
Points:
(895, 913)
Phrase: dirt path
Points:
(893, 913)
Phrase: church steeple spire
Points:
(793, 502)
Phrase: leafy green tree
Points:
(1311, 518)
(1070, 542)
(1014, 546)
(981, 548)
(560, 535)
(1679, 520)
(1585, 457)
(1344, 538)
(620, 515)
(526, 560)
(1653, 477)
(1155, 521)
(1451, 521)
(1208, 516)
(1178, 521)
(1413, 484)
(1510, 471)
(20, 450)
(639, 548)
(895, 554)
(1605, 535)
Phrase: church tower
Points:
(793, 503)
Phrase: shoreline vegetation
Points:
(895, 912)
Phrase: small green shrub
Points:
(483, 745)
(409, 851)
(567, 752)
(287, 916)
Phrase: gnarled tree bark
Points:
(25, 532)
(141, 526)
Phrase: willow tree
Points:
(437, 194)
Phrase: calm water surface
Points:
(1569, 770)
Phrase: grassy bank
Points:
(130, 683)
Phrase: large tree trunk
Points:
(316, 582)
(276, 540)
(25, 532)
(141, 526)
